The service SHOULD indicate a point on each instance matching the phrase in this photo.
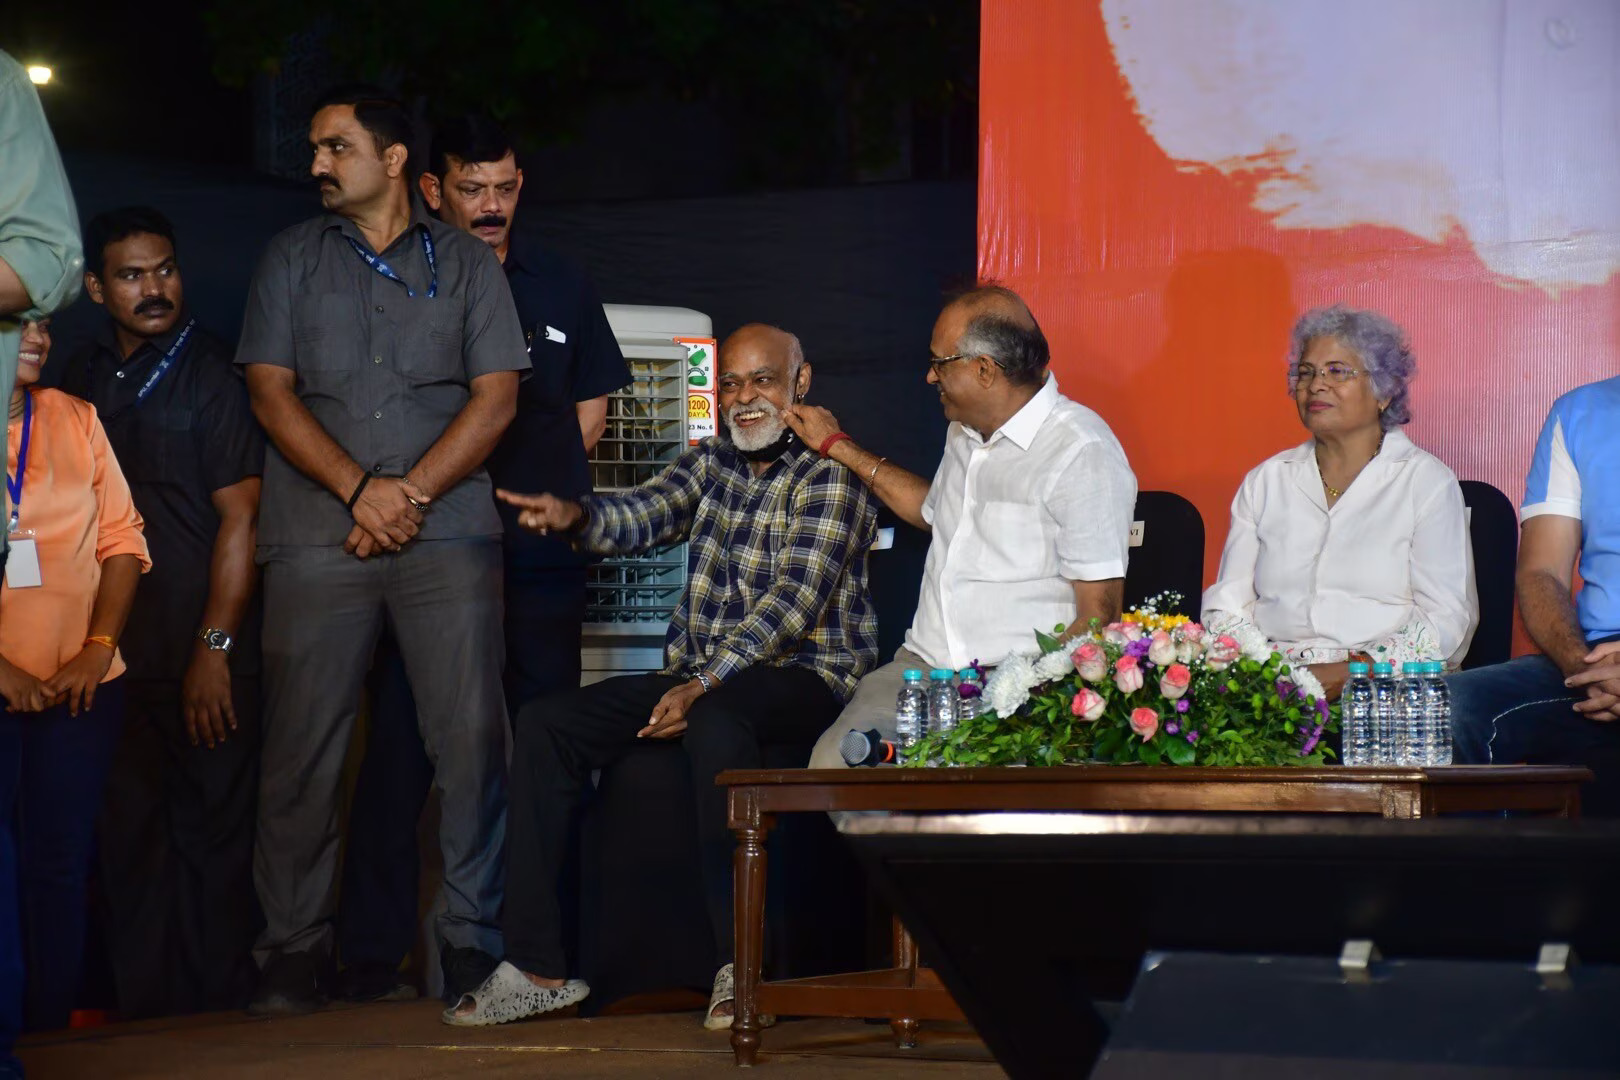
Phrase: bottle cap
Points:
(968, 673)
(1383, 668)
(1358, 668)
(941, 673)
(1436, 667)
(911, 673)
(1414, 667)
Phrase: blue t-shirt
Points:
(1573, 475)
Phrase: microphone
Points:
(868, 748)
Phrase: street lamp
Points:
(39, 74)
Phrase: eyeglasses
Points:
(938, 363)
(1336, 375)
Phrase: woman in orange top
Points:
(75, 556)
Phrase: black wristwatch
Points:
(216, 640)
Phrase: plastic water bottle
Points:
(969, 703)
(1357, 703)
(941, 700)
(1411, 729)
(911, 711)
(1437, 711)
(1386, 714)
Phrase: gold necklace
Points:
(1333, 492)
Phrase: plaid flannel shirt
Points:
(776, 570)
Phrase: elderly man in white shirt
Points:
(1353, 545)
(1030, 508)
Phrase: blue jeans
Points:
(53, 769)
(1521, 711)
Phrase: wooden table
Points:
(907, 993)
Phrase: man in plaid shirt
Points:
(774, 631)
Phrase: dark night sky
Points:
(138, 81)
(133, 79)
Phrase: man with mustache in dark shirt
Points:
(177, 826)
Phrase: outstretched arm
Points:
(900, 489)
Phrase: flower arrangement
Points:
(1151, 688)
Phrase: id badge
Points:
(22, 561)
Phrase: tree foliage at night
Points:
(816, 86)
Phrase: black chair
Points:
(1493, 530)
(1167, 551)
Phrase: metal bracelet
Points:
(703, 678)
(871, 477)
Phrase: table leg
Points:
(748, 895)
(905, 956)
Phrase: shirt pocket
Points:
(325, 331)
(163, 450)
(1014, 542)
(430, 341)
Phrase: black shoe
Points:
(464, 971)
(374, 980)
(291, 984)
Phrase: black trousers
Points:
(377, 914)
(177, 856)
(561, 740)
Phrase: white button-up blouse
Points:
(1387, 570)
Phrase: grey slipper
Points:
(508, 995)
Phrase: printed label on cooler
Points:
(701, 417)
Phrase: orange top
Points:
(77, 505)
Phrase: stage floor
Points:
(406, 1041)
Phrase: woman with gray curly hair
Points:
(1353, 545)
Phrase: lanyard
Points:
(14, 487)
(163, 366)
(376, 263)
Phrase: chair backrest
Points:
(1167, 551)
(1493, 529)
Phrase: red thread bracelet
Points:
(831, 441)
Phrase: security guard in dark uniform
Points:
(177, 827)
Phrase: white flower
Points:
(1054, 665)
(1251, 641)
(1010, 684)
(1304, 678)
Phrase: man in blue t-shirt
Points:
(472, 182)
(1562, 706)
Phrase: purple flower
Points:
(1221, 689)
(1139, 647)
(1192, 736)
(968, 690)
(1183, 705)
(1322, 709)
(1172, 728)
(1285, 689)
(1302, 693)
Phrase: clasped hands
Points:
(387, 515)
(74, 684)
(1600, 680)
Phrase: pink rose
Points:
(1091, 662)
(1114, 634)
(1222, 652)
(1190, 631)
(1133, 630)
(1161, 650)
(1145, 722)
(1173, 683)
(1088, 704)
(1127, 675)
